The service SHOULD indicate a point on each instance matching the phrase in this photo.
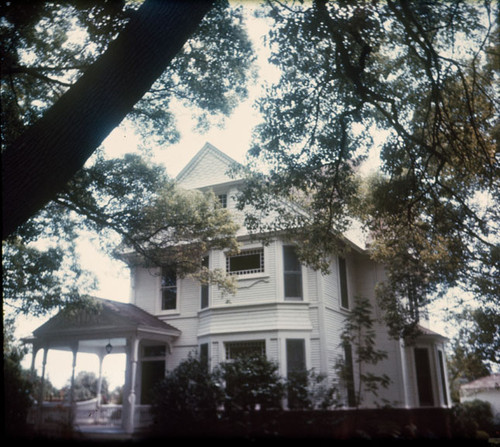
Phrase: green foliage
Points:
(85, 387)
(44, 49)
(17, 397)
(471, 417)
(17, 388)
(464, 365)
(307, 390)
(47, 46)
(187, 398)
(128, 201)
(251, 382)
(190, 397)
(480, 331)
(359, 333)
(349, 70)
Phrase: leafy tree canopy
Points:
(45, 48)
(133, 207)
(426, 75)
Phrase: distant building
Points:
(486, 389)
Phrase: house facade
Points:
(287, 311)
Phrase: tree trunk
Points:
(45, 157)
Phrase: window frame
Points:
(222, 199)
(164, 288)
(246, 272)
(292, 272)
(242, 343)
(204, 355)
(205, 288)
(424, 379)
(343, 283)
(350, 386)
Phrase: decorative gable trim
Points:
(197, 159)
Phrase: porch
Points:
(102, 328)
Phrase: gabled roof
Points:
(103, 318)
(484, 383)
(209, 167)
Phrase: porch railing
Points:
(55, 415)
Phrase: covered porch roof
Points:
(90, 328)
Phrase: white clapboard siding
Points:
(252, 318)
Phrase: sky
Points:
(234, 140)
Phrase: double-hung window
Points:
(222, 200)
(168, 289)
(204, 287)
(246, 262)
(292, 274)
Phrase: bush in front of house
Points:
(186, 401)
(250, 383)
(472, 417)
(307, 390)
(191, 401)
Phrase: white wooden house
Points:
(291, 313)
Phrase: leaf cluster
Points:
(423, 72)
(359, 333)
(46, 46)
(132, 207)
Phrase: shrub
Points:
(186, 401)
(310, 391)
(17, 397)
(472, 416)
(251, 382)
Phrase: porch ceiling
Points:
(90, 329)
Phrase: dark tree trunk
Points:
(45, 157)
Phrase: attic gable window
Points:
(246, 262)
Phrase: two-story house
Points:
(292, 314)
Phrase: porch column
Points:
(99, 381)
(74, 349)
(42, 387)
(404, 373)
(133, 359)
(34, 352)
